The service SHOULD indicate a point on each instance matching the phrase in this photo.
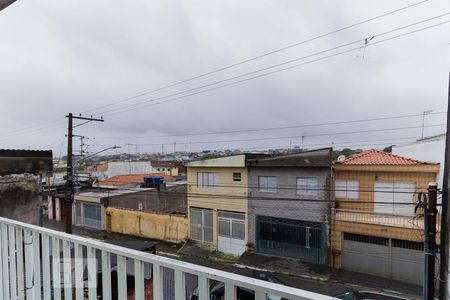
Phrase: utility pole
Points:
(445, 219)
(430, 241)
(69, 180)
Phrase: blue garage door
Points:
(291, 238)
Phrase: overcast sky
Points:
(67, 56)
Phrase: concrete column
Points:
(58, 209)
(50, 207)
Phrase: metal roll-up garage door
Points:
(391, 258)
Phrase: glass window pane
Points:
(238, 230)
(224, 228)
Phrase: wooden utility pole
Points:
(445, 221)
(430, 241)
(70, 178)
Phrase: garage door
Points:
(395, 198)
(231, 237)
(292, 238)
(391, 258)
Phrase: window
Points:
(78, 213)
(89, 215)
(207, 179)
(92, 215)
(347, 189)
(236, 176)
(202, 225)
(267, 184)
(307, 186)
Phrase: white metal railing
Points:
(39, 263)
(412, 222)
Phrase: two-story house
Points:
(218, 202)
(290, 205)
(376, 229)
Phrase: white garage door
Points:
(231, 233)
(395, 198)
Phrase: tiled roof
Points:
(381, 158)
(131, 178)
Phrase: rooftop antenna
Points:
(366, 42)
(426, 112)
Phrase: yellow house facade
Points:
(218, 203)
(375, 227)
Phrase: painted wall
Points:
(287, 182)
(430, 151)
(19, 198)
(161, 227)
(201, 197)
(368, 177)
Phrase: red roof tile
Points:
(381, 158)
(131, 178)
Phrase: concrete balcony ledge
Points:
(73, 267)
(410, 222)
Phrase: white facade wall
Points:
(430, 151)
(125, 167)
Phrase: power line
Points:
(294, 136)
(258, 57)
(147, 103)
(275, 128)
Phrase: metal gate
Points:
(391, 258)
(291, 238)
(231, 237)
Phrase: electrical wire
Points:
(257, 57)
(148, 102)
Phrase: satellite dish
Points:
(341, 158)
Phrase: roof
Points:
(231, 161)
(130, 178)
(311, 158)
(165, 163)
(379, 158)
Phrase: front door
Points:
(231, 237)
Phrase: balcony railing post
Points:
(29, 263)
(20, 266)
(230, 291)
(12, 260)
(5, 259)
(157, 282)
(139, 279)
(106, 275)
(79, 284)
(37, 265)
(67, 265)
(203, 287)
(46, 266)
(92, 273)
(121, 277)
(56, 265)
(180, 285)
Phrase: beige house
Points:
(375, 228)
(218, 202)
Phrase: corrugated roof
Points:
(380, 158)
(130, 178)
